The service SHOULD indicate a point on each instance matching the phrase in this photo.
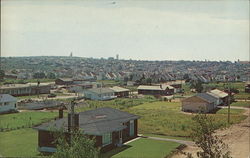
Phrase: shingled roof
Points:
(94, 122)
(7, 98)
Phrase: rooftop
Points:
(119, 89)
(7, 98)
(219, 93)
(95, 122)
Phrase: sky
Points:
(141, 30)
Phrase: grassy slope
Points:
(165, 118)
(143, 148)
(21, 143)
(25, 119)
(241, 104)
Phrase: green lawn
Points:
(241, 104)
(24, 119)
(19, 143)
(143, 148)
(118, 103)
(165, 118)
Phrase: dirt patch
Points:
(236, 136)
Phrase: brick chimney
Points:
(73, 121)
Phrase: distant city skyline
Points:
(141, 30)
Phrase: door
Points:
(131, 128)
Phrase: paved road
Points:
(235, 107)
(186, 142)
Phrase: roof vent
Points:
(100, 116)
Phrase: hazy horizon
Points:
(141, 30)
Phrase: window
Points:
(106, 139)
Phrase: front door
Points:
(131, 128)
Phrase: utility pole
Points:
(228, 103)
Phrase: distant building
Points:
(64, 81)
(7, 103)
(107, 126)
(25, 89)
(162, 90)
(117, 56)
(222, 95)
(201, 102)
(99, 94)
(247, 87)
(120, 92)
(176, 84)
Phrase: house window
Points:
(106, 139)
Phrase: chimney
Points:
(73, 121)
(60, 113)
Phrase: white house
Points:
(99, 94)
(7, 103)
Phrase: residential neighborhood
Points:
(124, 79)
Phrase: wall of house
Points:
(196, 106)
(122, 94)
(7, 106)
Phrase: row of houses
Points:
(205, 102)
(26, 89)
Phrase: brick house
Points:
(110, 128)
(162, 90)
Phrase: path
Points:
(186, 142)
(237, 137)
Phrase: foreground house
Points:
(201, 102)
(162, 90)
(110, 128)
(7, 103)
(25, 89)
(120, 92)
(99, 94)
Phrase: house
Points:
(64, 81)
(76, 88)
(222, 95)
(109, 127)
(26, 89)
(120, 92)
(99, 94)
(247, 87)
(162, 90)
(7, 103)
(201, 102)
(176, 84)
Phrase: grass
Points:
(19, 143)
(118, 103)
(165, 118)
(24, 119)
(241, 104)
(143, 148)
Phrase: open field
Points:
(165, 118)
(118, 103)
(24, 119)
(19, 143)
(241, 104)
(143, 148)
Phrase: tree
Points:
(2, 74)
(197, 85)
(78, 146)
(203, 134)
(51, 75)
(39, 75)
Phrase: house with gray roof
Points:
(7, 103)
(201, 102)
(163, 90)
(110, 128)
(99, 94)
